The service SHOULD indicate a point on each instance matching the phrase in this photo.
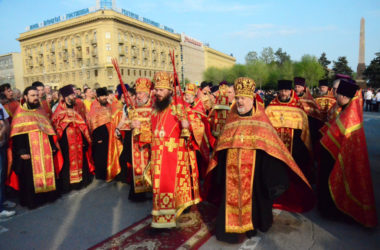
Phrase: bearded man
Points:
(138, 143)
(205, 140)
(33, 147)
(326, 99)
(253, 170)
(99, 119)
(42, 97)
(291, 123)
(345, 184)
(74, 140)
(173, 162)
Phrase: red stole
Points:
(285, 117)
(350, 180)
(310, 106)
(174, 169)
(75, 126)
(242, 136)
(35, 123)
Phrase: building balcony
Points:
(78, 44)
(94, 41)
(79, 56)
(121, 41)
(94, 53)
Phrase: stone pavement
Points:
(83, 218)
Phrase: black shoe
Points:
(251, 233)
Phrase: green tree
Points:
(259, 71)
(341, 66)
(281, 56)
(324, 62)
(310, 69)
(372, 72)
(267, 55)
(251, 57)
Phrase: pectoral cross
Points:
(241, 138)
(171, 144)
(282, 117)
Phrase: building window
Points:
(134, 72)
(87, 50)
(88, 74)
(96, 73)
(108, 47)
(122, 72)
(108, 35)
(140, 72)
(129, 72)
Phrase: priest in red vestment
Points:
(32, 169)
(287, 116)
(205, 140)
(173, 162)
(106, 148)
(253, 170)
(345, 185)
(75, 142)
(42, 97)
(140, 140)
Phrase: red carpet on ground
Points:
(193, 229)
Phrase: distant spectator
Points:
(368, 99)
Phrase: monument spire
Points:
(361, 64)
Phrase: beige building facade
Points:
(11, 70)
(193, 59)
(78, 48)
(217, 59)
(79, 51)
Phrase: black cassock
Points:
(126, 159)
(270, 181)
(100, 151)
(24, 171)
(301, 155)
(326, 205)
(63, 182)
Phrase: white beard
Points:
(241, 110)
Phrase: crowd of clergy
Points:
(222, 144)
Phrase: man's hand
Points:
(117, 133)
(136, 124)
(25, 156)
(185, 124)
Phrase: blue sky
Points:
(297, 26)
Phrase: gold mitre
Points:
(244, 86)
(191, 88)
(143, 85)
(163, 80)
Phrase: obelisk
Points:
(361, 65)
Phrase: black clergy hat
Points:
(204, 84)
(323, 82)
(299, 81)
(285, 84)
(347, 88)
(66, 90)
(214, 89)
(101, 92)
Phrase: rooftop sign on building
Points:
(100, 5)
